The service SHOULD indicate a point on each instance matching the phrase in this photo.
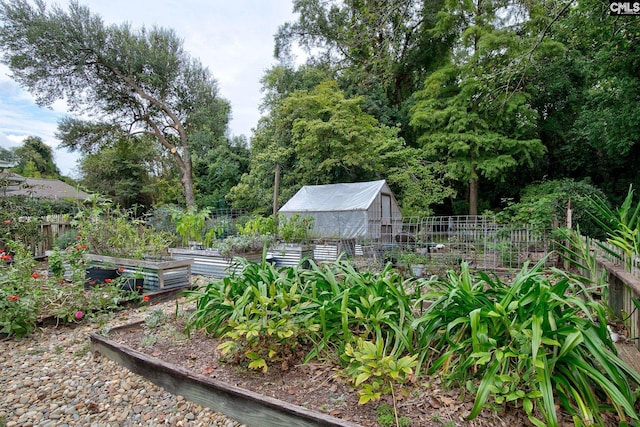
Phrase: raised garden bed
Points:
(210, 262)
(289, 254)
(245, 406)
(157, 275)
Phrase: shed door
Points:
(386, 229)
(386, 209)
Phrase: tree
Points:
(120, 171)
(133, 81)
(471, 114)
(7, 155)
(35, 159)
(381, 50)
(219, 169)
(317, 137)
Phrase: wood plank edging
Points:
(245, 406)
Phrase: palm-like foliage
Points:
(622, 225)
(536, 341)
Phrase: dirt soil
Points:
(315, 386)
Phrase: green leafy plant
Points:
(257, 226)
(107, 230)
(295, 228)
(27, 295)
(194, 225)
(260, 314)
(19, 296)
(155, 319)
(622, 225)
(378, 306)
(238, 245)
(375, 373)
(535, 342)
(56, 265)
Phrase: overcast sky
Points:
(233, 38)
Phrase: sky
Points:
(233, 38)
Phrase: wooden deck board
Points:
(630, 354)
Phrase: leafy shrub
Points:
(19, 299)
(26, 295)
(543, 204)
(520, 342)
(373, 372)
(295, 228)
(537, 342)
(260, 314)
(107, 230)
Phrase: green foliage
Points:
(261, 314)
(373, 372)
(387, 417)
(56, 264)
(27, 295)
(120, 171)
(113, 72)
(257, 226)
(535, 342)
(191, 225)
(295, 228)
(456, 117)
(21, 216)
(622, 225)
(238, 245)
(316, 136)
(20, 300)
(543, 206)
(219, 168)
(155, 319)
(107, 230)
(35, 159)
(268, 314)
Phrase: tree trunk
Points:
(473, 197)
(187, 183)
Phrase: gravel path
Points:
(53, 379)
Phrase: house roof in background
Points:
(41, 188)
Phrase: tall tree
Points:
(35, 159)
(120, 171)
(133, 81)
(317, 137)
(382, 50)
(471, 114)
(219, 169)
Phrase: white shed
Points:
(347, 211)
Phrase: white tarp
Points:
(341, 210)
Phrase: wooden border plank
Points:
(242, 405)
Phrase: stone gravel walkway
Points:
(53, 379)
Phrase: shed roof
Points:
(334, 197)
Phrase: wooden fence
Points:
(622, 273)
(50, 228)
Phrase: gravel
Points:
(52, 378)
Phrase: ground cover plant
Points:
(537, 343)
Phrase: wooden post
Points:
(276, 187)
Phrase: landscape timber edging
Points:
(245, 406)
